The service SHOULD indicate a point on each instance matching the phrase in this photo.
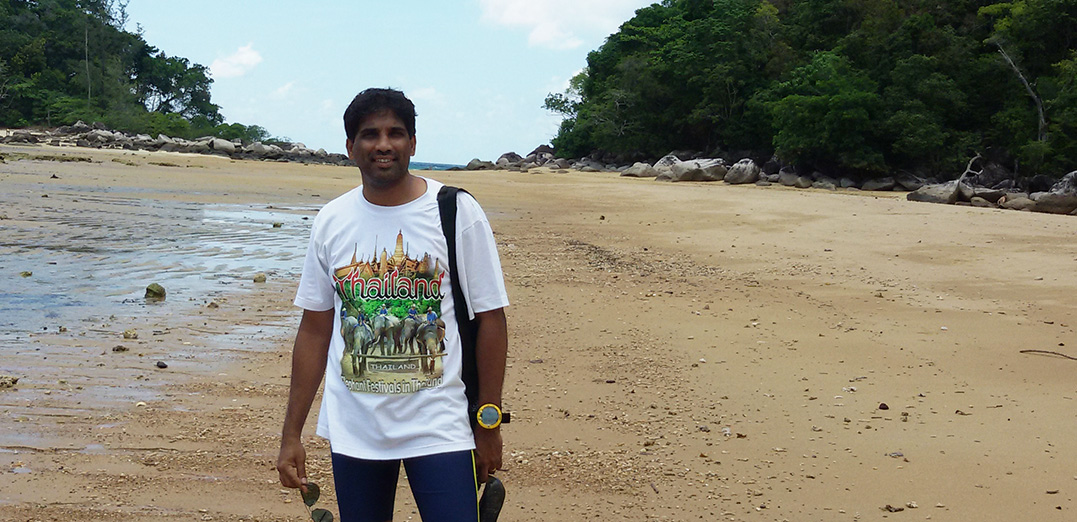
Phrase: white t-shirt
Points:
(393, 388)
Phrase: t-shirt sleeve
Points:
(315, 291)
(480, 266)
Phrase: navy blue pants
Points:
(444, 485)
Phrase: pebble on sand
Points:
(130, 334)
(26, 273)
(155, 291)
(8, 381)
(260, 277)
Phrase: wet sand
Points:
(677, 351)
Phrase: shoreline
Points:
(676, 352)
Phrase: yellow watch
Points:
(488, 416)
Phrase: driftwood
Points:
(1049, 352)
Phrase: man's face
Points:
(382, 149)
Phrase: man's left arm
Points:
(491, 352)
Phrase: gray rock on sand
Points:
(940, 193)
(640, 170)
(8, 381)
(742, 172)
(880, 184)
(698, 170)
(477, 164)
(1016, 202)
(1054, 203)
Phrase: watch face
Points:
(489, 415)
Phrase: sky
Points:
(477, 70)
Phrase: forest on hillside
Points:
(67, 60)
(851, 87)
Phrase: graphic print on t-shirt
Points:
(390, 321)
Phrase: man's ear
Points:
(348, 147)
(412, 145)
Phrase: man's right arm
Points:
(308, 366)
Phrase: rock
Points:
(1053, 203)
(260, 277)
(541, 150)
(256, 148)
(846, 183)
(119, 348)
(1067, 185)
(697, 170)
(197, 147)
(908, 181)
(130, 334)
(8, 381)
(477, 164)
(560, 163)
(26, 273)
(509, 158)
(981, 202)
(772, 166)
(880, 184)
(224, 146)
(803, 182)
(992, 195)
(162, 365)
(940, 193)
(155, 291)
(667, 161)
(788, 176)
(742, 172)
(1016, 202)
(640, 170)
(824, 185)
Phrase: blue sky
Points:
(477, 70)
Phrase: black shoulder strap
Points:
(470, 373)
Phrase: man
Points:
(395, 412)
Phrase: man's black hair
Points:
(374, 100)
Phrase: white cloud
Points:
(561, 24)
(282, 92)
(236, 64)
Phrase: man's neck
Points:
(408, 189)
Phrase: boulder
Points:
(1054, 203)
(698, 170)
(880, 184)
(981, 202)
(640, 170)
(1067, 185)
(908, 181)
(788, 176)
(321, 153)
(508, 158)
(846, 183)
(939, 193)
(824, 185)
(667, 161)
(991, 195)
(1016, 201)
(542, 149)
(744, 171)
(220, 145)
(477, 164)
(772, 166)
(197, 147)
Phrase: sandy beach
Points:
(677, 351)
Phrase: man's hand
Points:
(487, 452)
(292, 465)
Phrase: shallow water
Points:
(93, 260)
